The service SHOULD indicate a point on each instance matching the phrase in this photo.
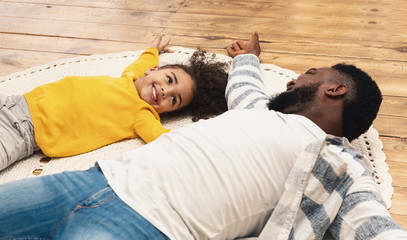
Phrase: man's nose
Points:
(291, 83)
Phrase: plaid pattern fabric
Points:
(330, 186)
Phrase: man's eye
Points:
(174, 100)
(310, 71)
(169, 79)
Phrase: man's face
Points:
(301, 94)
(167, 89)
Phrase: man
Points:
(330, 184)
(245, 173)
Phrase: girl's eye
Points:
(174, 100)
(169, 79)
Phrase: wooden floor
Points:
(295, 34)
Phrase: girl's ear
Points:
(336, 90)
(150, 70)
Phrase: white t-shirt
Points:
(214, 179)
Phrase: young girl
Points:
(78, 114)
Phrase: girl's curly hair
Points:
(210, 77)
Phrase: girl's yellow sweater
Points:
(78, 114)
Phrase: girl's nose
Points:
(163, 91)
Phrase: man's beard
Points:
(296, 100)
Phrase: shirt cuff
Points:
(246, 59)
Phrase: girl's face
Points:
(167, 89)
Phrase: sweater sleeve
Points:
(149, 127)
(245, 88)
(148, 59)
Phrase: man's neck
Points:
(329, 120)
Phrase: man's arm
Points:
(245, 88)
(363, 215)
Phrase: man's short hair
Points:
(362, 100)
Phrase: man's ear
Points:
(150, 70)
(336, 90)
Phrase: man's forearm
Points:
(245, 88)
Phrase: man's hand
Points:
(252, 46)
(161, 46)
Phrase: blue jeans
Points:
(69, 205)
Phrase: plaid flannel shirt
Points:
(330, 186)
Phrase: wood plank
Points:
(399, 205)
(391, 126)
(84, 14)
(400, 219)
(395, 149)
(317, 46)
(145, 5)
(85, 30)
(81, 46)
(398, 171)
(394, 106)
(267, 9)
(15, 61)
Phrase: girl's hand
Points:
(161, 46)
